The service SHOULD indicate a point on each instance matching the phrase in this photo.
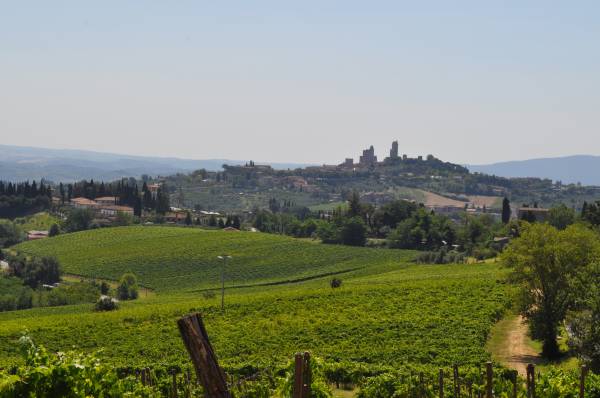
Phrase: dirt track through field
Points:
(518, 352)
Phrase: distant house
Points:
(533, 214)
(4, 266)
(446, 209)
(107, 200)
(112, 210)
(104, 207)
(83, 203)
(34, 235)
(153, 188)
(205, 213)
(175, 216)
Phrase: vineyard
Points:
(391, 323)
(180, 259)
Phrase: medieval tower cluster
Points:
(368, 157)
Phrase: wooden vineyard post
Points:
(530, 381)
(174, 385)
(298, 375)
(456, 381)
(196, 342)
(584, 370)
(515, 376)
(490, 379)
(441, 382)
(306, 393)
(302, 376)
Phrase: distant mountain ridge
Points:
(19, 163)
(568, 169)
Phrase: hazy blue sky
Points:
(471, 82)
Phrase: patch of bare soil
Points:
(518, 353)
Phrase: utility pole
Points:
(224, 258)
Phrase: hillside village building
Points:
(103, 207)
(35, 235)
(533, 214)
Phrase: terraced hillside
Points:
(185, 259)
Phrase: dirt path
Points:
(517, 353)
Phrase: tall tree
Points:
(354, 205)
(546, 263)
(506, 210)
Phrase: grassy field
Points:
(39, 222)
(388, 311)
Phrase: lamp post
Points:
(224, 258)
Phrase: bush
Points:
(37, 271)
(208, 294)
(104, 288)
(79, 220)
(354, 232)
(128, 287)
(106, 303)
(335, 283)
(54, 230)
(10, 233)
(123, 219)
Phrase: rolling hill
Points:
(388, 312)
(19, 163)
(569, 169)
(185, 259)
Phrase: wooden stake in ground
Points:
(298, 376)
(196, 341)
(584, 371)
(531, 380)
(490, 380)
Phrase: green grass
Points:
(387, 312)
(184, 259)
(38, 222)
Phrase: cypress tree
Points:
(505, 210)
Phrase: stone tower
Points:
(394, 150)
(368, 157)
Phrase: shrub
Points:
(106, 303)
(123, 219)
(128, 287)
(10, 233)
(354, 232)
(208, 294)
(54, 230)
(38, 271)
(79, 220)
(104, 288)
(335, 283)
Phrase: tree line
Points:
(19, 199)
(397, 224)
